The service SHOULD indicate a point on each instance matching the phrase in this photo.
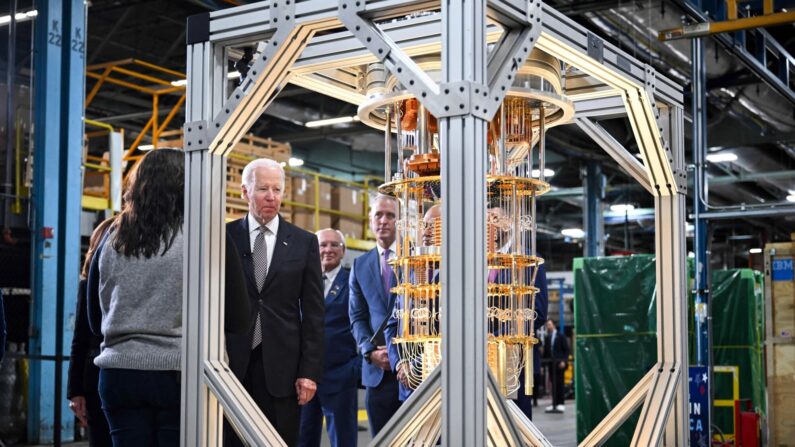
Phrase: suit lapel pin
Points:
(284, 242)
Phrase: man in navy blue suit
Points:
(370, 307)
(336, 397)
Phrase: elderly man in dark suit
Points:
(279, 359)
(336, 397)
(370, 307)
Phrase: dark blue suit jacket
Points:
(368, 308)
(341, 365)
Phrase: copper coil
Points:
(424, 164)
(437, 231)
(409, 109)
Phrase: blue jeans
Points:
(142, 407)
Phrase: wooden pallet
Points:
(780, 342)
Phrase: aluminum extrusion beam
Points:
(593, 217)
(748, 213)
(620, 413)
(625, 159)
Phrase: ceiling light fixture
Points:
(622, 208)
(574, 233)
(722, 157)
(20, 17)
(179, 83)
(146, 147)
(295, 162)
(331, 121)
(755, 251)
(547, 173)
(791, 198)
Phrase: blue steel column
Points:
(702, 310)
(594, 217)
(59, 94)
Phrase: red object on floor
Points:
(746, 424)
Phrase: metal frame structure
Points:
(607, 82)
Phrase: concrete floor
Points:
(560, 429)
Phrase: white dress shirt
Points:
(270, 237)
(330, 277)
(392, 253)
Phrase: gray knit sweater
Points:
(141, 301)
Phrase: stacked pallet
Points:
(780, 343)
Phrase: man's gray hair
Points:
(248, 171)
(339, 233)
(377, 199)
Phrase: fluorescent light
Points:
(179, 83)
(295, 162)
(622, 208)
(690, 254)
(791, 198)
(146, 147)
(575, 233)
(20, 17)
(755, 251)
(332, 121)
(722, 157)
(547, 173)
(233, 75)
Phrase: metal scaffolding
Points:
(473, 84)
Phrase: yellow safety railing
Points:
(97, 166)
(729, 403)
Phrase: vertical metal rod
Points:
(422, 130)
(399, 124)
(10, 78)
(703, 310)
(502, 165)
(388, 146)
(542, 143)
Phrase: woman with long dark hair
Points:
(140, 296)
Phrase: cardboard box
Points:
(347, 200)
(349, 227)
(306, 219)
(303, 191)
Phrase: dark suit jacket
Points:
(83, 374)
(369, 307)
(342, 364)
(292, 307)
(559, 351)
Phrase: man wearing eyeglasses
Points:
(336, 397)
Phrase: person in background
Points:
(556, 349)
(336, 397)
(401, 367)
(83, 381)
(370, 308)
(278, 358)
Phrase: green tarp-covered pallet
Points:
(615, 343)
(738, 333)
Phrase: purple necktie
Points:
(386, 272)
(493, 276)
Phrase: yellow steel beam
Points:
(95, 203)
(137, 141)
(98, 124)
(145, 77)
(170, 116)
(708, 28)
(110, 64)
(96, 87)
(158, 68)
(129, 85)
